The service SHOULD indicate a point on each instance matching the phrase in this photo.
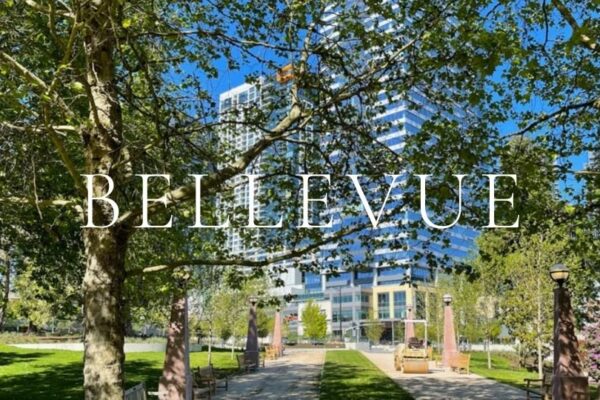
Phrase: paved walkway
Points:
(293, 377)
(442, 385)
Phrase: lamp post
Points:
(449, 336)
(252, 338)
(409, 326)
(568, 380)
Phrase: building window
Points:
(342, 277)
(390, 271)
(383, 305)
(346, 316)
(346, 298)
(421, 274)
(363, 298)
(400, 304)
(311, 280)
(363, 277)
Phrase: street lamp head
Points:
(253, 299)
(447, 299)
(559, 274)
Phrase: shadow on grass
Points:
(137, 371)
(33, 375)
(7, 358)
(58, 382)
(65, 381)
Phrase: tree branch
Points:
(58, 144)
(33, 79)
(251, 263)
(568, 16)
(42, 9)
(23, 71)
(25, 129)
(595, 103)
(39, 203)
(214, 181)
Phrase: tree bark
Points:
(104, 334)
(5, 288)
(173, 380)
(105, 248)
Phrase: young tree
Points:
(31, 302)
(231, 313)
(314, 321)
(374, 329)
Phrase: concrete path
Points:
(440, 384)
(294, 376)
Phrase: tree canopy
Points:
(127, 88)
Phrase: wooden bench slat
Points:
(137, 392)
(206, 375)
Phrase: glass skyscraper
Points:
(377, 285)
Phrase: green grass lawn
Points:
(349, 375)
(54, 374)
(503, 370)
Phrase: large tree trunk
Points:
(104, 336)
(105, 249)
(172, 383)
(5, 288)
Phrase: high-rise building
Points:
(379, 286)
(272, 93)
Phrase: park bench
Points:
(197, 393)
(271, 353)
(206, 376)
(245, 364)
(460, 362)
(544, 390)
(137, 392)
